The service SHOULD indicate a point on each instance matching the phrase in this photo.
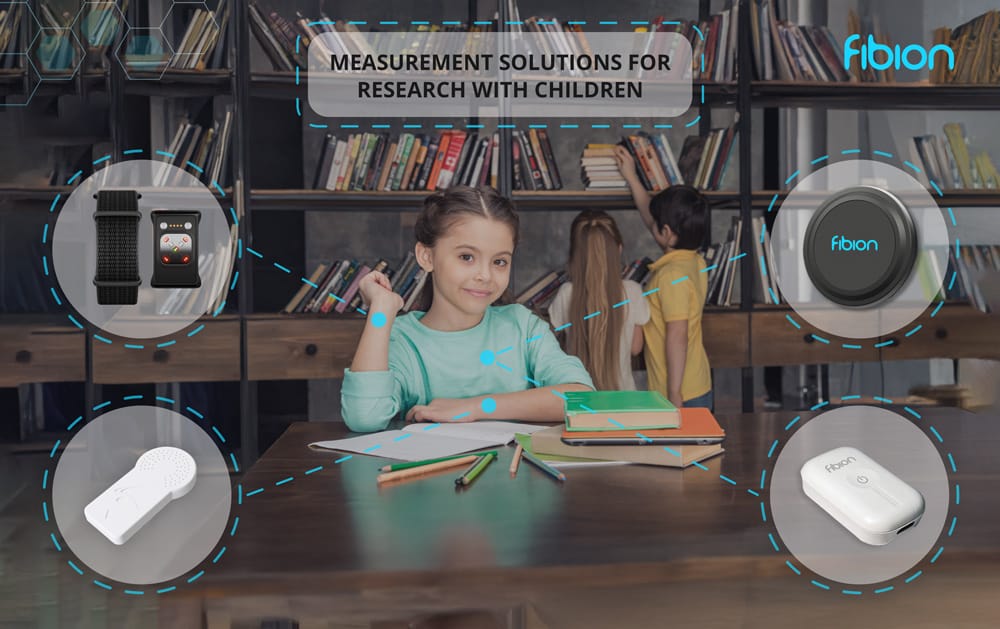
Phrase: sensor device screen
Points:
(175, 249)
(860, 246)
(160, 475)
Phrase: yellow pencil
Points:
(425, 469)
(517, 460)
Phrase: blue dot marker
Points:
(489, 405)
(378, 319)
(487, 357)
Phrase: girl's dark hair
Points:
(444, 208)
(595, 270)
(684, 210)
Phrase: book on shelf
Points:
(702, 163)
(204, 41)
(377, 162)
(724, 268)
(951, 162)
(333, 287)
(535, 163)
(10, 23)
(970, 264)
(206, 147)
(976, 48)
(792, 52)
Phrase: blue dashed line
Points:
(844, 398)
(194, 412)
(166, 154)
(282, 267)
(74, 177)
(882, 399)
(937, 554)
(196, 167)
(936, 188)
(672, 451)
(102, 405)
(850, 346)
(255, 252)
(587, 408)
(820, 585)
(695, 121)
(737, 257)
(794, 569)
(101, 159)
(236, 467)
(912, 412)
(820, 339)
(55, 296)
(679, 280)
(850, 151)
(793, 422)
(819, 406)
(883, 154)
(650, 292)
(699, 466)
(236, 523)
(912, 165)
(725, 478)
(101, 584)
(763, 478)
(318, 126)
(165, 590)
(951, 460)
(644, 438)
(135, 592)
(75, 422)
(284, 481)
(773, 543)
(709, 268)
(914, 330)
(132, 152)
(54, 448)
(373, 448)
(505, 350)
(817, 160)
(617, 423)
(45, 510)
(196, 577)
(254, 492)
(753, 493)
(504, 367)
(791, 177)
(401, 437)
(773, 200)
(951, 215)
(196, 330)
(533, 381)
(620, 304)
(773, 446)
(219, 556)
(75, 568)
(591, 315)
(562, 327)
(951, 529)
(884, 344)
(914, 576)
(852, 592)
(134, 346)
(45, 264)
(937, 434)
(958, 494)
(314, 470)
(885, 589)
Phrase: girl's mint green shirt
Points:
(510, 350)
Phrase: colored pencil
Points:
(405, 466)
(517, 460)
(426, 469)
(475, 470)
(542, 465)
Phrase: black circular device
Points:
(860, 246)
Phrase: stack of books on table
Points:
(627, 427)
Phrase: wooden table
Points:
(616, 546)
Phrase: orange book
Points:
(438, 161)
(695, 423)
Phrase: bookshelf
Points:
(269, 356)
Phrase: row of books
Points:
(976, 45)
(951, 163)
(792, 52)
(702, 162)
(541, 292)
(380, 162)
(10, 22)
(972, 262)
(215, 267)
(204, 43)
(333, 287)
(207, 148)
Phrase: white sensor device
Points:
(868, 500)
(159, 476)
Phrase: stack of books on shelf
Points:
(333, 287)
(976, 45)
(702, 163)
(99, 24)
(204, 43)
(950, 162)
(207, 148)
(972, 262)
(791, 52)
(541, 292)
(535, 165)
(381, 162)
(10, 21)
(627, 427)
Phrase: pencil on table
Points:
(545, 467)
(395, 467)
(426, 469)
(517, 460)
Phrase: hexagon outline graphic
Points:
(191, 3)
(34, 83)
(105, 5)
(73, 42)
(125, 40)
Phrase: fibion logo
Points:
(912, 57)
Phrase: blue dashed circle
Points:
(379, 319)
(487, 357)
(199, 418)
(489, 405)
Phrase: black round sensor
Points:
(860, 246)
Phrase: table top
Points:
(336, 528)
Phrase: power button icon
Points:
(862, 479)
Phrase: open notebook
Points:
(417, 442)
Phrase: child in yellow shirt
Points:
(675, 353)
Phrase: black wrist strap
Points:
(117, 220)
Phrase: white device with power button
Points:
(868, 500)
(160, 475)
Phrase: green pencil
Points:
(476, 469)
(405, 466)
(542, 465)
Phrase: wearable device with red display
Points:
(175, 249)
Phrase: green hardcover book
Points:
(619, 410)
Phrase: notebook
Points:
(697, 424)
(561, 461)
(549, 442)
(619, 410)
(417, 442)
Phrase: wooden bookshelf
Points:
(816, 94)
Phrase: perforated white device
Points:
(160, 475)
(868, 500)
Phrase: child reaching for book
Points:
(606, 342)
(463, 359)
(675, 353)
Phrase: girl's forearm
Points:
(373, 347)
(541, 404)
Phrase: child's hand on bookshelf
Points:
(626, 164)
(445, 410)
(376, 290)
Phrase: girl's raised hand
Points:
(626, 163)
(376, 291)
